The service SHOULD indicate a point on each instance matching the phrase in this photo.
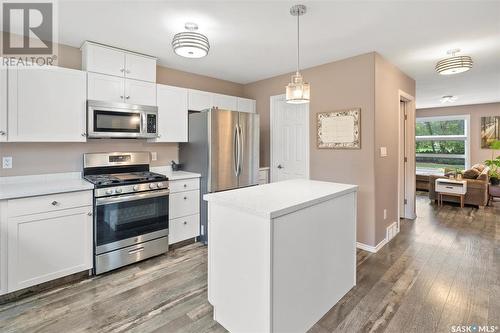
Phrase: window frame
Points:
(465, 137)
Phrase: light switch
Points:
(7, 162)
(154, 156)
(383, 151)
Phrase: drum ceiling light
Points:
(298, 91)
(191, 44)
(454, 64)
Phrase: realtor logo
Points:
(33, 22)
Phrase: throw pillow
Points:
(471, 174)
(478, 167)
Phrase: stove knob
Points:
(152, 186)
(118, 190)
(136, 187)
(160, 185)
(109, 191)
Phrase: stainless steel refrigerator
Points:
(223, 147)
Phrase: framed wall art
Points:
(490, 130)
(339, 129)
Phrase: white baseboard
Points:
(369, 248)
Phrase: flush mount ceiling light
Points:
(448, 99)
(454, 64)
(298, 91)
(190, 44)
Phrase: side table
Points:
(451, 187)
(493, 192)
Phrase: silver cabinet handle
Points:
(280, 166)
(84, 134)
(127, 97)
(122, 70)
(90, 214)
(3, 133)
(185, 198)
(158, 136)
(185, 185)
(54, 203)
(127, 71)
(121, 96)
(185, 222)
(140, 249)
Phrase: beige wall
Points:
(476, 111)
(388, 81)
(334, 86)
(38, 158)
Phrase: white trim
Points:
(410, 179)
(369, 248)
(274, 99)
(441, 137)
(441, 155)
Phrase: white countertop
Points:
(33, 185)
(276, 199)
(174, 175)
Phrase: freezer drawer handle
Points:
(134, 251)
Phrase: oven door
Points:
(130, 219)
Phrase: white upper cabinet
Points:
(140, 92)
(107, 60)
(102, 59)
(102, 87)
(199, 100)
(172, 114)
(3, 102)
(246, 105)
(46, 104)
(225, 102)
(140, 68)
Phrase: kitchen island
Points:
(280, 255)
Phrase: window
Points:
(442, 143)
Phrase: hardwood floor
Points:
(442, 269)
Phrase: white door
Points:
(140, 68)
(47, 246)
(105, 60)
(246, 105)
(140, 92)
(46, 104)
(199, 100)
(289, 140)
(225, 102)
(3, 102)
(172, 113)
(105, 88)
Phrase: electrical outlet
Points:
(7, 162)
(383, 151)
(154, 156)
(385, 214)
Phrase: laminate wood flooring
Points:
(442, 269)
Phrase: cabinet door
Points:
(183, 204)
(183, 228)
(246, 105)
(47, 246)
(105, 88)
(104, 60)
(225, 102)
(46, 104)
(199, 100)
(172, 113)
(140, 92)
(140, 68)
(3, 102)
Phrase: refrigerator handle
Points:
(236, 150)
(240, 149)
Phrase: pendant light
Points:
(454, 64)
(190, 44)
(298, 91)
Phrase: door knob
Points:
(280, 166)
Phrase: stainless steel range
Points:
(130, 209)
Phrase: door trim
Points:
(273, 100)
(410, 176)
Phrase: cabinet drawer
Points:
(48, 203)
(184, 203)
(184, 185)
(184, 228)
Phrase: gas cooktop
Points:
(125, 178)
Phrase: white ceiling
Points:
(253, 40)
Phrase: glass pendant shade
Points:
(454, 65)
(297, 91)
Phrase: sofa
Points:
(477, 188)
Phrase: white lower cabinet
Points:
(184, 209)
(46, 245)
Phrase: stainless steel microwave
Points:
(121, 120)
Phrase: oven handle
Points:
(130, 197)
